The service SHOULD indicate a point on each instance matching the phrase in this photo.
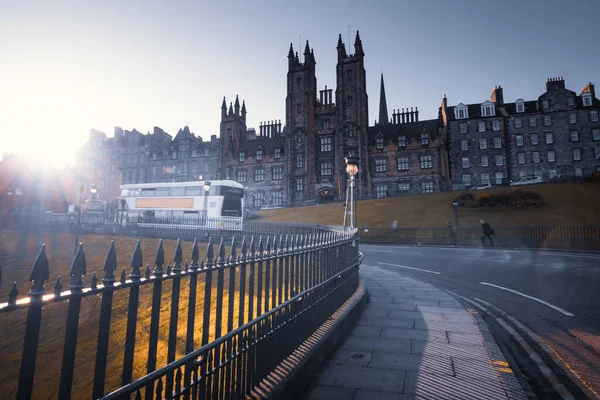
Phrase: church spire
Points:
(237, 105)
(358, 48)
(341, 48)
(383, 112)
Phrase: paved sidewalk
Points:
(414, 341)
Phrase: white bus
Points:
(183, 204)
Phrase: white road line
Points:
(508, 261)
(404, 266)
(560, 310)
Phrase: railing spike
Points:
(123, 276)
(195, 254)
(14, 292)
(281, 244)
(274, 245)
(260, 246)
(40, 271)
(221, 260)
(94, 283)
(178, 257)
(169, 269)
(160, 259)
(110, 265)
(210, 256)
(268, 246)
(252, 248)
(233, 249)
(147, 273)
(78, 269)
(244, 249)
(186, 266)
(136, 262)
(58, 286)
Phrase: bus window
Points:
(162, 192)
(232, 204)
(193, 191)
(177, 191)
(124, 192)
(147, 192)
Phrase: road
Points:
(554, 294)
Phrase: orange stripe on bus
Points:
(164, 203)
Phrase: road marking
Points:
(560, 310)
(404, 266)
(509, 261)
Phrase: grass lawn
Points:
(17, 254)
(566, 204)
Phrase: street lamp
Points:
(206, 191)
(455, 207)
(93, 190)
(78, 218)
(352, 170)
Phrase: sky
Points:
(70, 66)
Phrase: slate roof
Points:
(410, 130)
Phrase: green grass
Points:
(17, 253)
(565, 204)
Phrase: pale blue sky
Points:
(69, 66)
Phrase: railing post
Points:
(155, 316)
(174, 317)
(189, 340)
(110, 265)
(39, 274)
(132, 310)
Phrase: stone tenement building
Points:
(492, 142)
(496, 142)
(132, 157)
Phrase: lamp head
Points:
(352, 165)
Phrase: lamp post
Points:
(455, 207)
(78, 218)
(352, 170)
(123, 202)
(206, 191)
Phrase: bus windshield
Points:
(232, 201)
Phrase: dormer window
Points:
(424, 139)
(461, 111)
(401, 141)
(587, 99)
(488, 109)
(379, 143)
(520, 106)
(259, 154)
(545, 104)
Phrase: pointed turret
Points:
(341, 48)
(230, 109)
(297, 59)
(312, 55)
(358, 48)
(291, 56)
(223, 108)
(244, 111)
(237, 105)
(308, 56)
(383, 112)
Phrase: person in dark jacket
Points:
(487, 232)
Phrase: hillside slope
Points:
(566, 204)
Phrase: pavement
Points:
(414, 341)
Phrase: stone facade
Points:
(496, 142)
(479, 144)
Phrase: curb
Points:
(295, 374)
(443, 246)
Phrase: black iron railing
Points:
(249, 306)
(576, 237)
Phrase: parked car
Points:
(527, 180)
(481, 187)
(249, 214)
(567, 178)
(309, 203)
(270, 207)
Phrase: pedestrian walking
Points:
(487, 232)
(452, 231)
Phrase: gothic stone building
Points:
(306, 159)
(495, 142)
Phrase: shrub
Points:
(517, 198)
